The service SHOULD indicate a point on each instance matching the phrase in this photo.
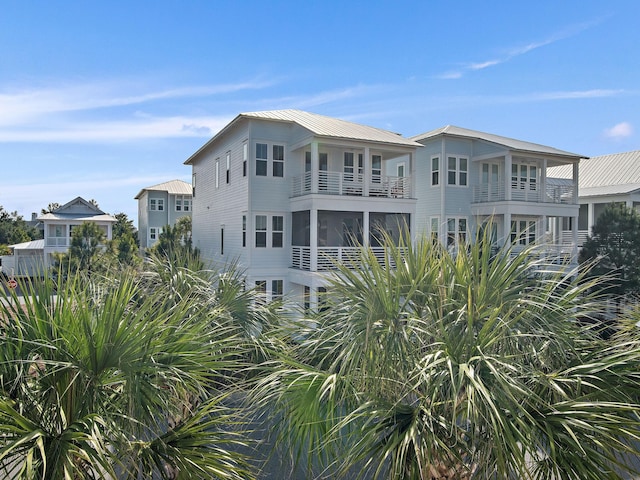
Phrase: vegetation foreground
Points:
(428, 366)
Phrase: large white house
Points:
(161, 205)
(613, 178)
(35, 257)
(286, 192)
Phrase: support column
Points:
(366, 166)
(313, 239)
(507, 180)
(315, 167)
(507, 228)
(366, 225)
(590, 217)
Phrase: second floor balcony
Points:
(551, 193)
(339, 183)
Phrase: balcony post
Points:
(315, 168)
(367, 172)
(542, 194)
(507, 178)
(313, 239)
(575, 184)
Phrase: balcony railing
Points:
(526, 193)
(339, 183)
(57, 241)
(329, 257)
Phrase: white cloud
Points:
(139, 127)
(619, 131)
(514, 52)
(29, 106)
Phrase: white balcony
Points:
(339, 183)
(563, 194)
(328, 257)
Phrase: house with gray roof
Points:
(285, 193)
(469, 179)
(35, 257)
(161, 205)
(605, 179)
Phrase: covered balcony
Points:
(340, 183)
(339, 236)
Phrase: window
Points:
(193, 185)
(156, 204)
(245, 154)
(261, 159)
(524, 177)
(244, 230)
(183, 203)
(278, 161)
(435, 170)
(435, 228)
(523, 232)
(154, 234)
(400, 170)
(456, 231)
(376, 168)
(222, 240)
(261, 291)
(348, 166)
(261, 231)
(277, 289)
(217, 172)
(228, 170)
(457, 171)
(277, 231)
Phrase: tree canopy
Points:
(614, 246)
(14, 229)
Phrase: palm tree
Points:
(431, 365)
(107, 378)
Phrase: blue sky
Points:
(101, 99)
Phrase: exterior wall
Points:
(143, 220)
(220, 208)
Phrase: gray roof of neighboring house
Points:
(173, 187)
(510, 143)
(32, 245)
(321, 126)
(80, 210)
(609, 174)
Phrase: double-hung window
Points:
(261, 231)
(156, 204)
(277, 231)
(265, 229)
(262, 159)
(183, 203)
(278, 161)
(245, 154)
(435, 171)
(277, 289)
(457, 171)
(244, 230)
(228, 169)
(456, 231)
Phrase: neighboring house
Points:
(468, 179)
(159, 206)
(606, 179)
(26, 259)
(285, 193)
(36, 256)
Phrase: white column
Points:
(507, 180)
(367, 171)
(313, 238)
(315, 167)
(365, 228)
(591, 217)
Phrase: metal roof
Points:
(321, 126)
(32, 245)
(510, 143)
(83, 217)
(616, 169)
(173, 187)
(624, 189)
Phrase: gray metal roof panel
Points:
(510, 143)
(324, 126)
(173, 187)
(621, 169)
